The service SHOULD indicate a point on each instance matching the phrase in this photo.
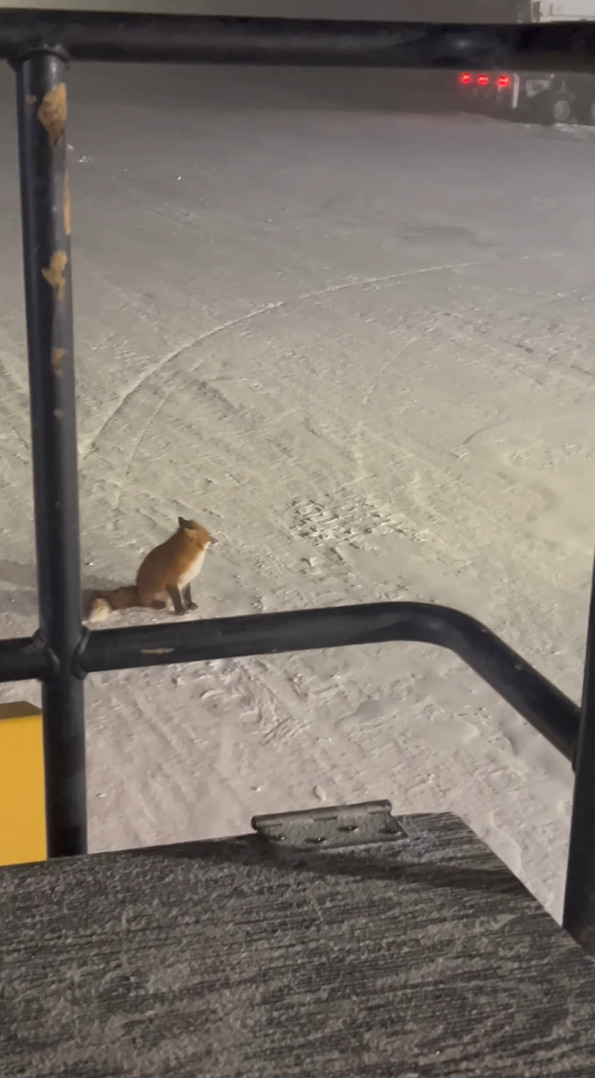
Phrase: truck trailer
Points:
(536, 96)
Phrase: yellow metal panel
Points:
(22, 810)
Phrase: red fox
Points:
(166, 573)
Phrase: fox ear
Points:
(182, 523)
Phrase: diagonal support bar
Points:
(535, 698)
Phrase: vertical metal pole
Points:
(45, 210)
(579, 900)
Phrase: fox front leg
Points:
(187, 597)
(176, 598)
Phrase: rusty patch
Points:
(31, 99)
(54, 274)
(56, 360)
(66, 206)
(52, 112)
(58, 413)
(156, 651)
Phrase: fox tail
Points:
(103, 602)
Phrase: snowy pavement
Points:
(358, 346)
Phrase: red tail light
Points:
(482, 80)
(465, 78)
(503, 81)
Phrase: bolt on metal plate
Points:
(332, 827)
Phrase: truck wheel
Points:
(556, 107)
(560, 109)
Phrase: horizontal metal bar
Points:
(135, 37)
(540, 702)
(24, 659)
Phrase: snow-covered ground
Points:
(357, 345)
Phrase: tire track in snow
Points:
(234, 323)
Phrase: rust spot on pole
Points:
(52, 112)
(156, 651)
(56, 360)
(31, 99)
(66, 206)
(54, 274)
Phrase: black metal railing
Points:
(38, 46)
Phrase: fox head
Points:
(196, 532)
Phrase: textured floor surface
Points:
(421, 957)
